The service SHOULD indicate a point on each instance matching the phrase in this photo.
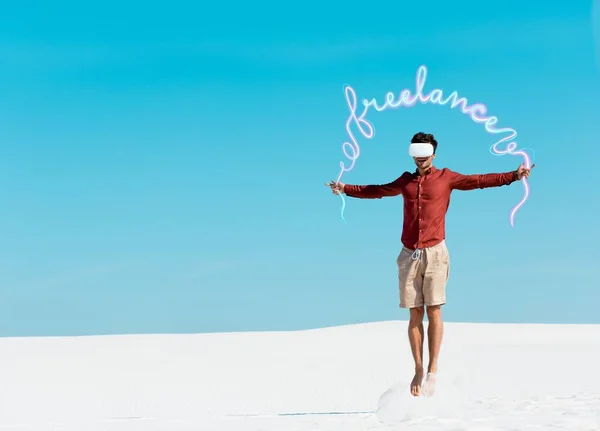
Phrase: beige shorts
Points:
(423, 278)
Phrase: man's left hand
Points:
(522, 171)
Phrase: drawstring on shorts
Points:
(416, 254)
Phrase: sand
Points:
(492, 377)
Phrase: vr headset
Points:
(420, 149)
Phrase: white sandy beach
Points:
(492, 377)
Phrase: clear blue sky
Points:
(162, 166)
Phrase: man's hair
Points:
(422, 138)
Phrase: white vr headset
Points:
(420, 150)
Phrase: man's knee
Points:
(417, 314)
(434, 313)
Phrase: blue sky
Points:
(163, 166)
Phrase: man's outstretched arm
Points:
(373, 191)
(483, 181)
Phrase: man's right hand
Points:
(336, 188)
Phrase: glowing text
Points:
(477, 112)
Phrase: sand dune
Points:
(492, 377)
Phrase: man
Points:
(424, 263)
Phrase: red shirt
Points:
(426, 200)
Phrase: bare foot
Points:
(415, 385)
(429, 385)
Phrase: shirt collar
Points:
(431, 170)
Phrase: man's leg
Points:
(416, 335)
(437, 269)
(435, 330)
(435, 333)
(410, 282)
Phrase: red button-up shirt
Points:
(426, 200)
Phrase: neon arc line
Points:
(477, 112)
